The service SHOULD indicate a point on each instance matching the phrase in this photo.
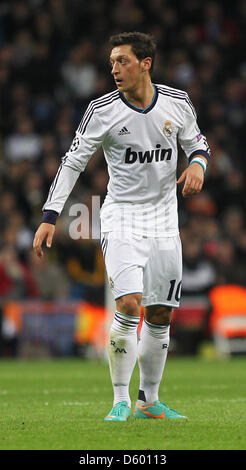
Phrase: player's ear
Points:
(146, 64)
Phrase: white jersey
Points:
(140, 148)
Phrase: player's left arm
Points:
(193, 177)
(197, 151)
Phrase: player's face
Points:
(126, 68)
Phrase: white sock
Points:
(152, 355)
(122, 352)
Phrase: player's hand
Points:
(45, 231)
(193, 178)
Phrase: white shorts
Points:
(150, 266)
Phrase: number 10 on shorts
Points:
(175, 290)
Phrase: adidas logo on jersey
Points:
(124, 131)
(147, 156)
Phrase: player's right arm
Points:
(88, 138)
(45, 232)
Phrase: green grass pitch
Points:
(60, 404)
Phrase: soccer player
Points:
(138, 125)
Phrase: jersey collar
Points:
(141, 110)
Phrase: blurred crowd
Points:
(53, 61)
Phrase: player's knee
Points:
(129, 304)
(159, 314)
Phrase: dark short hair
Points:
(143, 45)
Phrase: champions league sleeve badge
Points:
(167, 129)
(74, 145)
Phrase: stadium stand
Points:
(53, 61)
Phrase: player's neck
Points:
(142, 96)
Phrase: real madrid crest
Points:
(168, 128)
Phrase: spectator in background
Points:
(41, 73)
(23, 51)
(24, 144)
(17, 233)
(79, 71)
(86, 270)
(44, 112)
(233, 222)
(33, 196)
(230, 269)
(199, 273)
(8, 205)
(64, 133)
(51, 279)
(12, 275)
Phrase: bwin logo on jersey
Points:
(147, 156)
